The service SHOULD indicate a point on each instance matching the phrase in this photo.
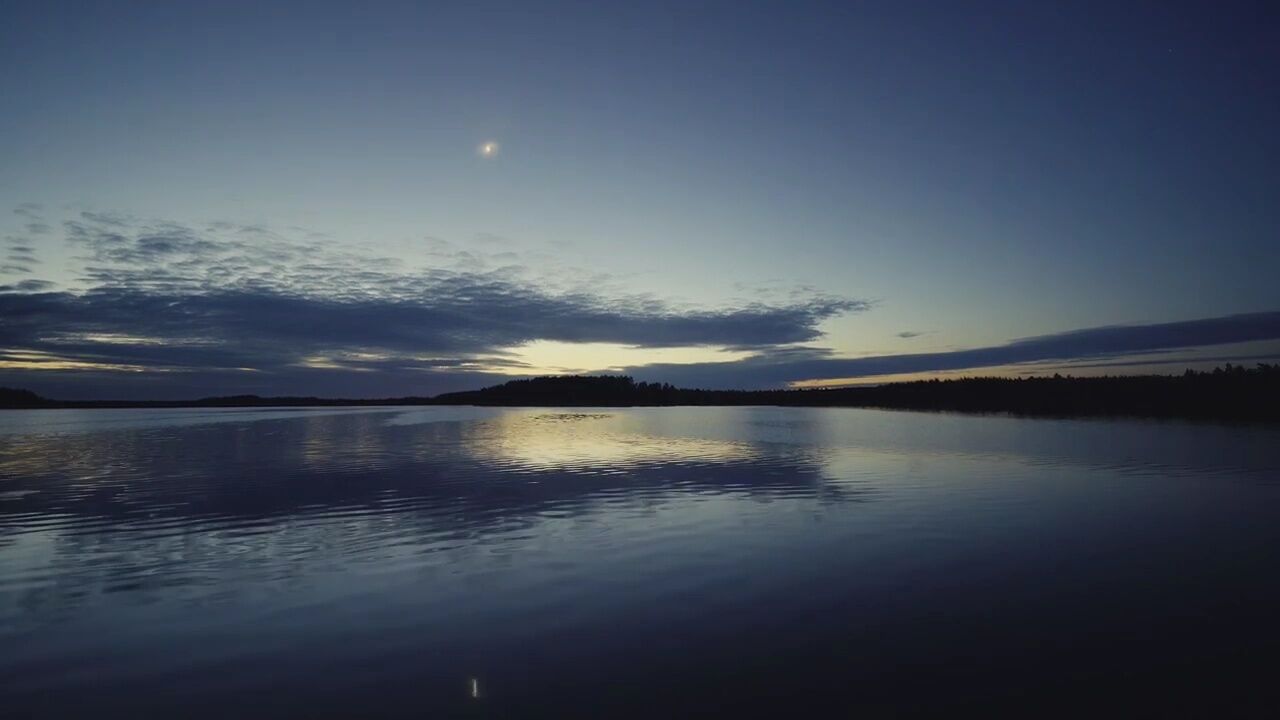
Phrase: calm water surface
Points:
(465, 562)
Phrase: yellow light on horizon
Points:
(554, 357)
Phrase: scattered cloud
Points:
(226, 307)
(194, 300)
(20, 255)
(27, 286)
(31, 211)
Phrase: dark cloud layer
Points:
(165, 309)
(241, 305)
(775, 369)
(465, 315)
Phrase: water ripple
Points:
(267, 539)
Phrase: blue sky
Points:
(690, 191)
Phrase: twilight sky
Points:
(371, 199)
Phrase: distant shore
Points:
(30, 401)
(1229, 393)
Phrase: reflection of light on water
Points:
(587, 441)
(475, 688)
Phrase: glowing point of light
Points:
(488, 149)
(475, 687)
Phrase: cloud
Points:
(31, 211)
(1181, 360)
(20, 256)
(21, 253)
(210, 303)
(770, 369)
(168, 309)
(27, 286)
(458, 314)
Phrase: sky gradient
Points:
(297, 199)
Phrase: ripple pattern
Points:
(430, 546)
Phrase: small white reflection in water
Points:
(475, 688)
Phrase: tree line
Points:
(1232, 392)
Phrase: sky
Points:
(389, 199)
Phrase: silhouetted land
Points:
(1228, 393)
(13, 399)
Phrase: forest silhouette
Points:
(1232, 392)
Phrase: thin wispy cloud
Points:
(769, 369)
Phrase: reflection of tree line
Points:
(1230, 392)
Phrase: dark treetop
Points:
(1229, 393)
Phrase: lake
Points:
(647, 562)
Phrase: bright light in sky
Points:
(555, 358)
(488, 149)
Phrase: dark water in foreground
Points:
(457, 562)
